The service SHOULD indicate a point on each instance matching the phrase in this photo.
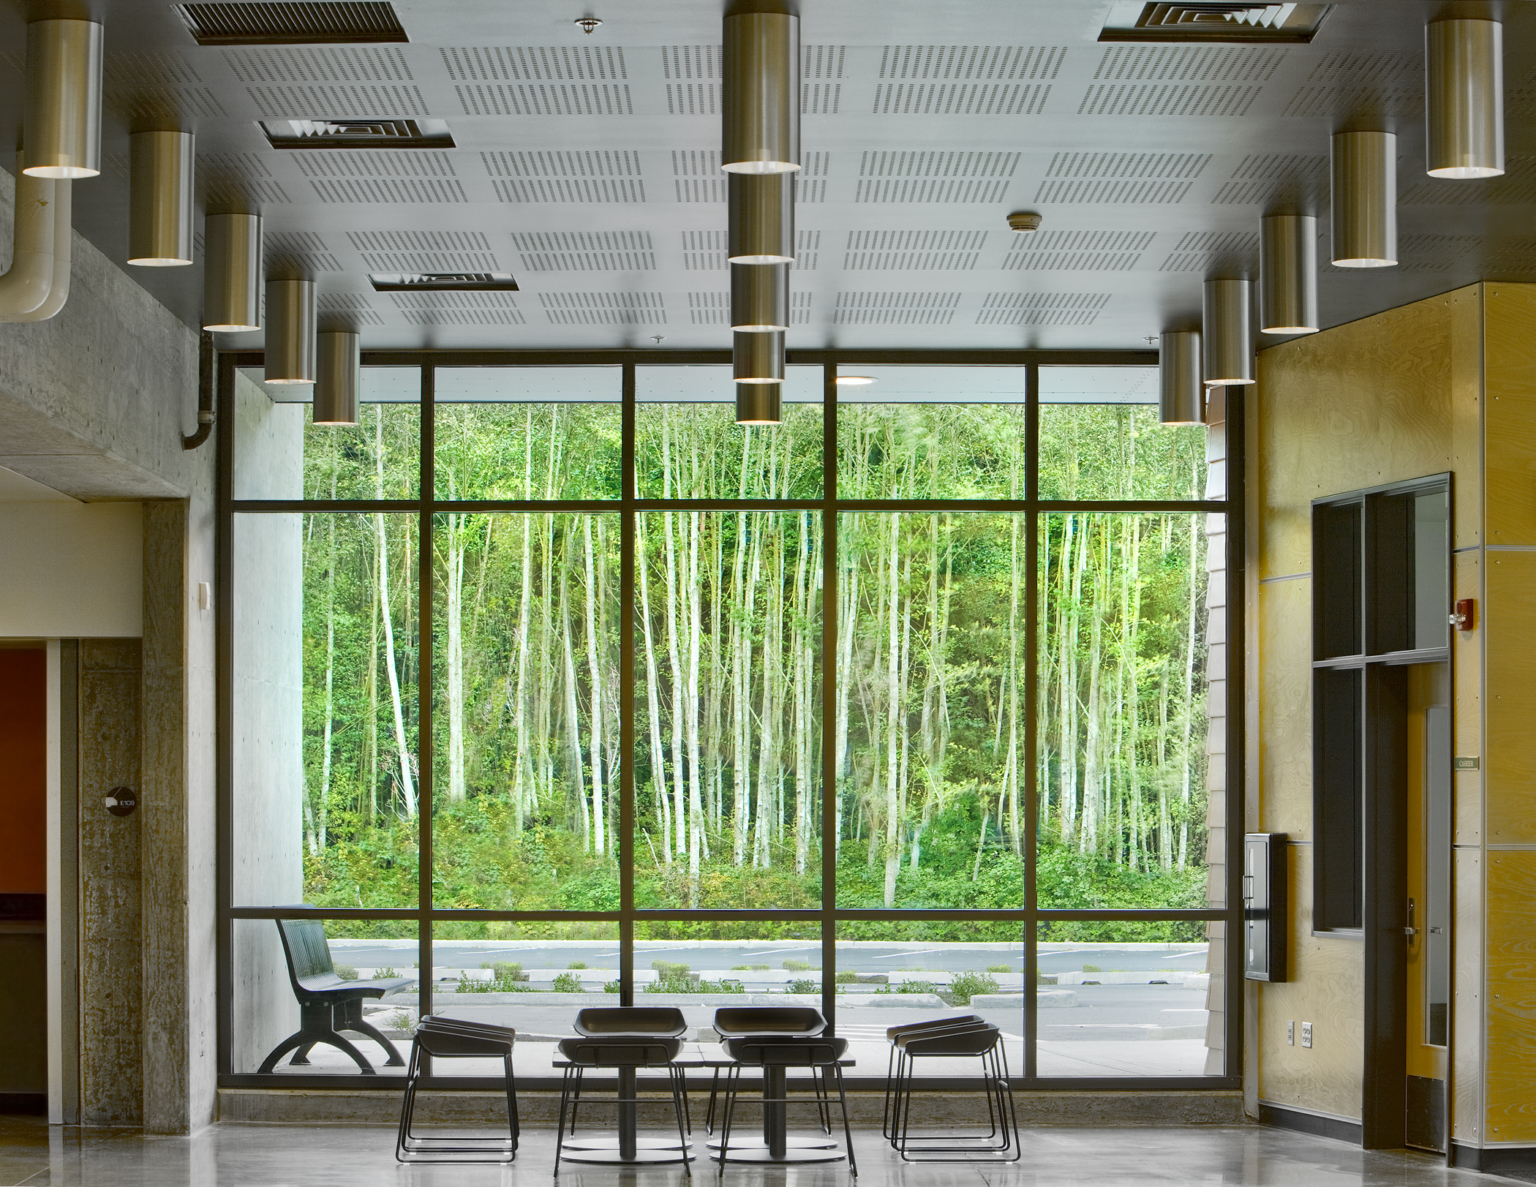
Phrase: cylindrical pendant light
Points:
(1364, 199)
(760, 62)
(759, 358)
(232, 272)
(1288, 274)
(762, 218)
(290, 353)
(759, 297)
(758, 403)
(63, 115)
(160, 199)
(339, 378)
(1464, 93)
(1181, 395)
(1228, 332)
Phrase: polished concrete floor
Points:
(291, 1156)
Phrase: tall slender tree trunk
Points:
(892, 740)
(572, 708)
(595, 675)
(454, 597)
(652, 697)
(402, 749)
(330, 676)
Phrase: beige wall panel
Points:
(1359, 405)
(1511, 990)
(1509, 641)
(1466, 314)
(1510, 430)
(1325, 990)
(1467, 999)
(1285, 707)
(1467, 714)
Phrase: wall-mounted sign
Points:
(121, 801)
(1461, 763)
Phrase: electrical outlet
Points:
(1306, 1034)
(1290, 1033)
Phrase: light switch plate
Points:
(1306, 1034)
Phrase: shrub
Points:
(508, 970)
(741, 968)
(1092, 968)
(804, 986)
(669, 968)
(759, 966)
(847, 977)
(566, 983)
(799, 966)
(346, 972)
(386, 973)
(577, 964)
(999, 968)
(965, 985)
(610, 987)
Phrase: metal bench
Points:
(327, 1004)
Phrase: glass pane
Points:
(360, 950)
(688, 444)
(728, 710)
(1127, 684)
(279, 454)
(525, 712)
(527, 432)
(930, 714)
(326, 659)
(931, 433)
(532, 977)
(1100, 438)
(1125, 1004)
(1431, 568)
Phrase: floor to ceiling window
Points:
(549, 685)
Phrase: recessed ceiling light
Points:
(855, 380)
(1203, 20)
(304, 22)
(358, 133)
(396, 282)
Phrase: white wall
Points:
(71, 570)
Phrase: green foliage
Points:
(384, 974)
(566, 983)
(1000, 968)
(846, 977)
(668, 968)
(804, 985)
(507, 970)
(967, 985)
(346, 972)
(577, 964)
(797, 966)
(1092, 968)
(612, 987)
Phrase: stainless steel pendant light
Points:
(759, 297)
(290, 350)
(63, 113)
(1181, 395)
(1364, 199)
(759, 357)
(1464, 93)
(339, 378)
(758, 403)
(232, 272)
(762, 218)
(1228, 331)
(1288, 274)
(160, 199)
(760, 62)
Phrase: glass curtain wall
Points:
(551, 685)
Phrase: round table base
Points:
(612, 1143)
(792, 1154)
(614, 1158)
(794, 1142)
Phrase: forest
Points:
(929, 712)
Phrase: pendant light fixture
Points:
(1364, 199)
(758, 403)
(63, 113)
(232, 272)
(759, 357)
(1288, 274)
(759, 297)
(290, 353)
(1464, 93)
(160, 199)
(762, 218)
(1181, 395)
(760, 65)
(1228, 332)
(339, 378)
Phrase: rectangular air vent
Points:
(302, 23)
(1280, 24)
(357, 133)
(442, 282)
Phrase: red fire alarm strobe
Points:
(1465, 617)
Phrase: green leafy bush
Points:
(611, 987)
(966, 985)
(507, 970)
(566, 983)
(798, 966)
(804, 986)
(346, 972)
(577, 964)
(1000, 968)
(847, 977)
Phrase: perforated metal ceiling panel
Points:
(588, 167)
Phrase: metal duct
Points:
(290, 352)
(760, 61)
(1288, 274)
(759, 297)
(1464, 98)
(759, 358)
(1228, 331)
(1364, 199)
(63, 115)
(232, 272)
(161, 199)
(762, 218)
(339, 379)
(27, 285)
(1181, 395)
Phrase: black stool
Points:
(626, 1054)
(984, 1042)
(801, 1022)
(662, 1022)
(775, 1054)
(453, 1038)
(892, 1033)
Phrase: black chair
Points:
(892, 1033)
(774, 1054)
(626, 1054)
(454, 1038)
(1001, 1142)
(802, 1022)
(659, 1021)
(327, 1004)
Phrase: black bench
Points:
(327, 1004)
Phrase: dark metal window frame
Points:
(829, 915)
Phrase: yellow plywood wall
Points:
(1389, 398)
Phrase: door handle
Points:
(1410, 930)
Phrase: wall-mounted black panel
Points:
(1265, 912)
